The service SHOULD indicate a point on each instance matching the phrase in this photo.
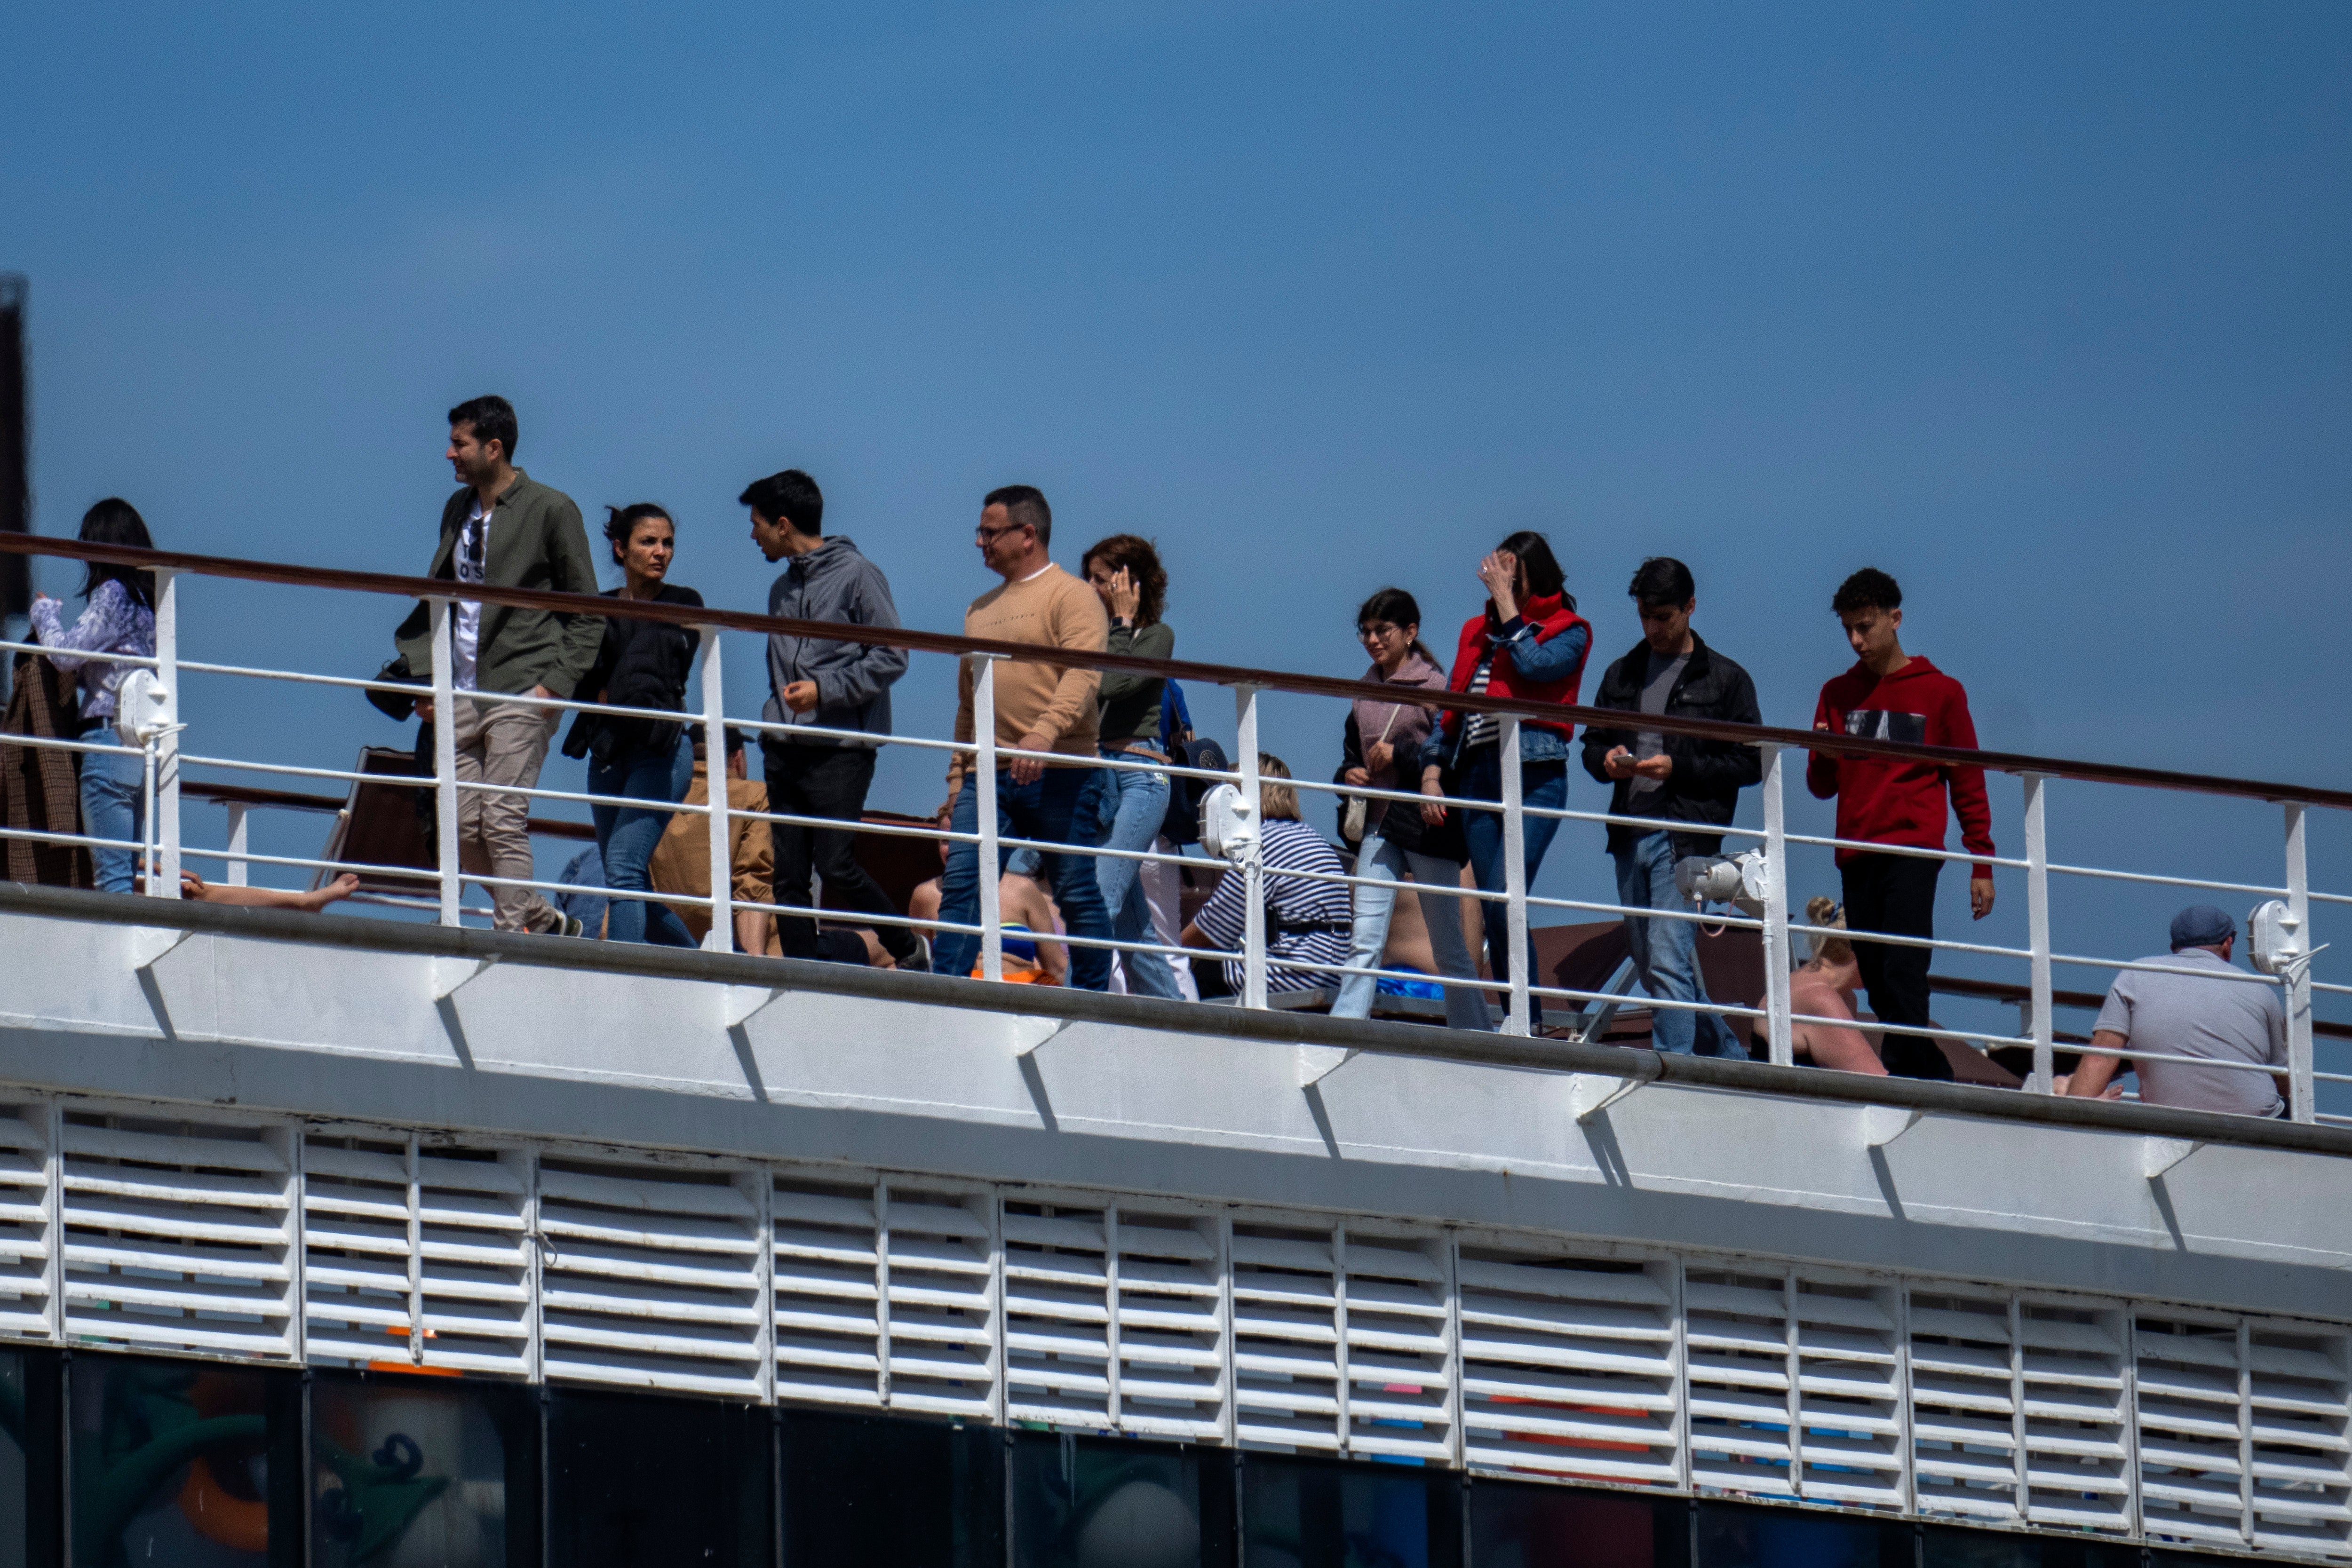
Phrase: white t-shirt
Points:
(465, 629)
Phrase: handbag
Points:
(1357, 812)
(398, 706)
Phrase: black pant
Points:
(1896, 895)
(824, 782)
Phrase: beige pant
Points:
(501, 743)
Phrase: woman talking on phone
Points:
(1527, 643)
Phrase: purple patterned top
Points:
(114, 623)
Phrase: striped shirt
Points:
(1287, 844)
(1482, 729)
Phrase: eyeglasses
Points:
(1375, 634)
(989, 535)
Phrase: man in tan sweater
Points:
(1041, 706)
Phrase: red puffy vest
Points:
(1550, 616)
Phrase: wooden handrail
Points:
(1174, 669)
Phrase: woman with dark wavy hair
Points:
(1127, 575)
(120, 618)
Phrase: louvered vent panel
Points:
(474, 1262)
(1568, 1365)
(1963, 1404)
(1736, 1332)
(23, 1221)
(2076, 1456)
(827, 1292)
(355, 1272)
(943, 1299)
(2189, 1436)
(1286, 1335)
(1057, 1314)
(650, 1276)
(2299, 1392)
(1171, 1335)
(1400, 1348)
(1849, 1393)
(179, 1235)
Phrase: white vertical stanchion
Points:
(2300, 1105)
(445, 760)
(1254, 867)
(1778, 1037)
(990, 868)
(237, 838)
(164, 830)
(1514, 879)
(2037, 926)
(721, 938)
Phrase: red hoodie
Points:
(1887, 800)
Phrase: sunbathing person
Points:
(192, 886)
(1824, 987)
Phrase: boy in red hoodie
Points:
(1891, 696)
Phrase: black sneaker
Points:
(919, 961)
(567, 926)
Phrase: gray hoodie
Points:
(833, 582)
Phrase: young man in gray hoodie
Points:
(824, 684)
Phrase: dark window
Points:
(878, 1489)
(1314, 1513)
(191, 1463)
(424, 1470)
(1732, 1536)
(634, 1479)
(1080, 1501)
(1942, 1546)
(1534, 1526)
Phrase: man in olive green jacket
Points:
(506, 530)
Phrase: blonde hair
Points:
(1275, 800)
(1828, 950)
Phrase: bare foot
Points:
(342, 887)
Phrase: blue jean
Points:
(1130, 804)
(1666, 952)
(114, 806)
(1543, 784)
(626, 836)
(1050, 809)
(1466, 1006)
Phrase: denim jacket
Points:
(1539, 662)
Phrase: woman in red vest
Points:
(1529, 642)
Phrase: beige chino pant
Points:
(502, 743)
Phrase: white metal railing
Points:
(1520, 996)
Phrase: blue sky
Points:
(2042, 309)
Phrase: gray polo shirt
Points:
(2187, 1013)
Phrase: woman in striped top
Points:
(1529, 642)
(1305, 921)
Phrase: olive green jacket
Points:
(537, 541)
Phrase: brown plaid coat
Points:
(39, 786)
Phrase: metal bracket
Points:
(1590, 1100)
(149, 945)
(1317, 1062)
(741, 1004)
(452, 974)
(2158, 1157)
(1031, 1035)
(1882, 1124)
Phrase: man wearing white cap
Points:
(2196, 1005)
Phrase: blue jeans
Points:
(1543, 784)
(1466, 1006)
(626, 836)
(1050, 809)
(114, 806)
(1130, 804)
(1666, 952)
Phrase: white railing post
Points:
(1254, 867)
(984, 735)
(165, 826)
(238, 839)
(2037, 926)
(1515, 878)
(721, 938)
(1778, 1037)
(2299, 1086)
(445, 761)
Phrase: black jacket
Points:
(640, 663)
(1708, 774)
